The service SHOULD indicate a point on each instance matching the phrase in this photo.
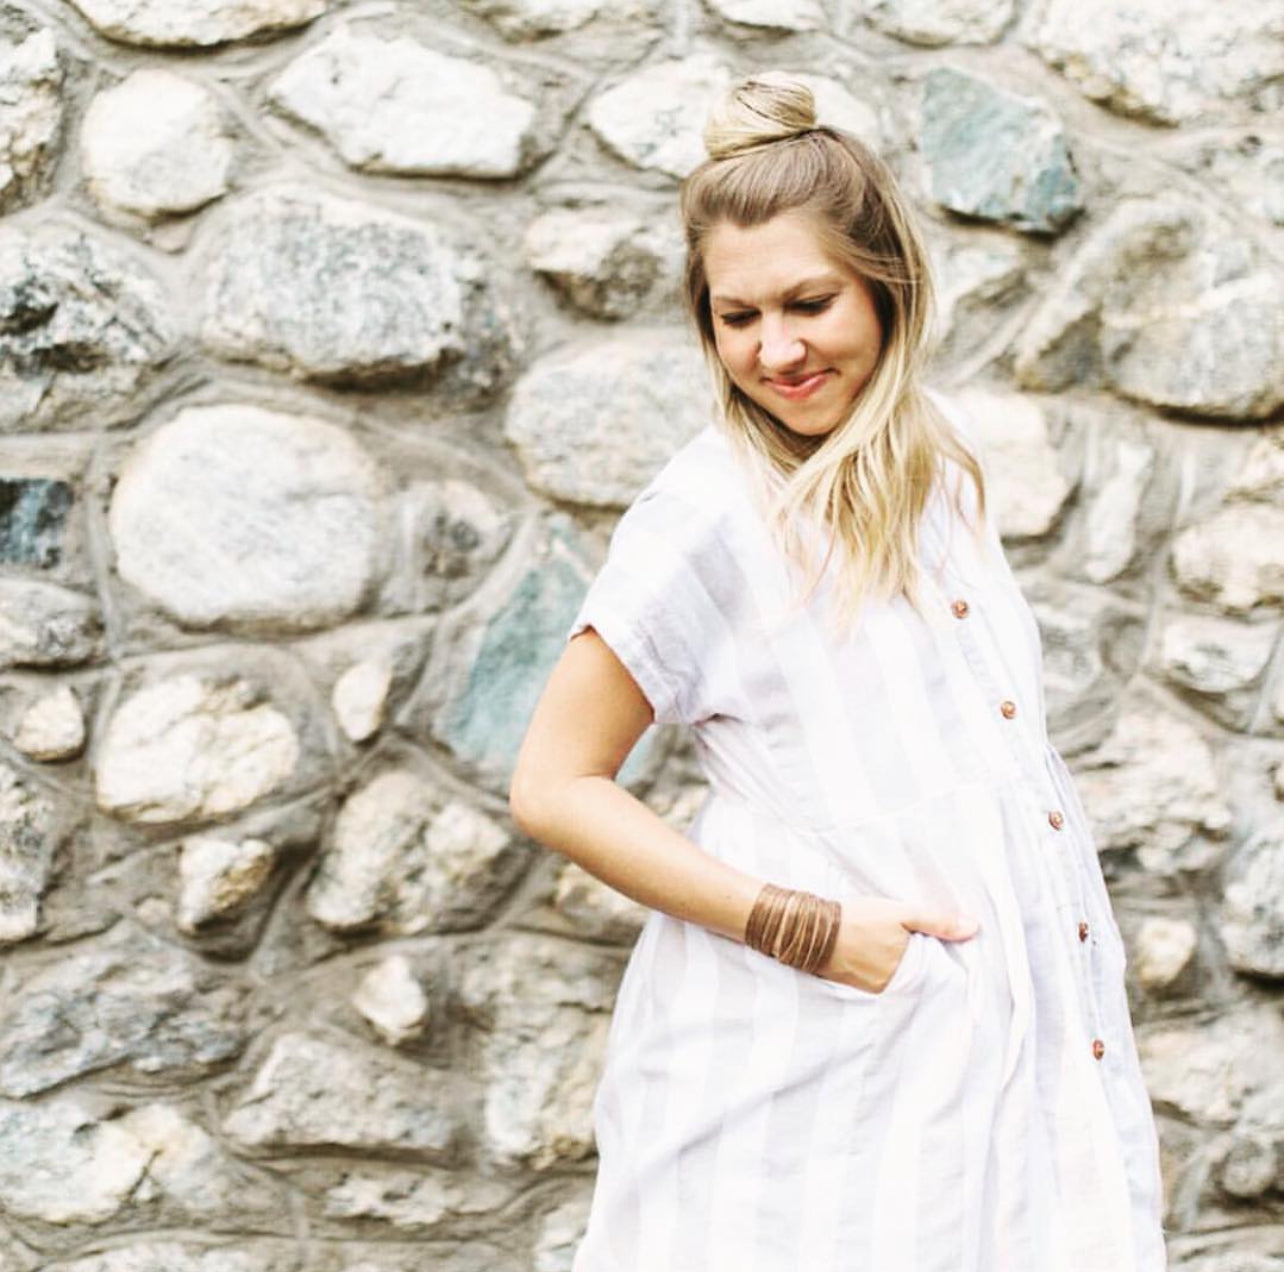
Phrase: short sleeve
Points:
(653, 602)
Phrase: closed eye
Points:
(816, 306)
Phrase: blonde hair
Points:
(868, 480)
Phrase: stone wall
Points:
(333, 338)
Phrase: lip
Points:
(799, 389)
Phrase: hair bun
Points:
(761, 108)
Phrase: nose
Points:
(780, 348)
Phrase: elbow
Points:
(524, 804)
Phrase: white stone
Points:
(1165, 949)
(1234, 558)
(1110, 520)
(654, 118)
(1212, 656)
(778, 15)
(1252, 919)
(53, 727)
(187, 748)
(403, 857)
(593, 422)
(559, 1235)
(1261, 479)
(1152, 786)
(219, 877)
(185, 23)
(30, 112)
(392, 1000)
(415, 1199)
(394, 105)
(1166, 60)
(838, 108)
(43, 625)
(1028, 488)
(360, 698)
(155, 145)
(534, 19)
(235, 514)
(934, 22)
(597, 910)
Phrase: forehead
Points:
(749, 264)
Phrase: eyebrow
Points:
(820, 280)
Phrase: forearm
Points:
(614, 836)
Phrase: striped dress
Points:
(984, 1112)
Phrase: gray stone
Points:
(935, 22)
(1248, 169)
(1111, 513)
(453, 532)
(995, 155)
(1170, 61)
(131, 1000)
(1218, 660)
(28, 842)
(1252, 918)
(978, 284)
(33, 520)
(312, 1093)
(1165, 953)
(1234, 558)
(155, 145)
(605, 262)
(188, 747)
(1170, 305)
(654, 118)
(195, 23)
(82, 328)
(218, 878)
(545, 1010)
(775, 15)
(1219, 1070)
(559, 1236)
(593, 423)
(238, 516)
(406, 858)
(1028, 489)
(392, 1000)
(1152, 787)
(595, 910)
(52, 727)
(394, 105)
(176, 1256)
(332, 289)
(428, 1197)
(1248, 1170)
(42, 625)
(536, 19)
(30, 115)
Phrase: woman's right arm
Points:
(564, 795)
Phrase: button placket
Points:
(1065, 862)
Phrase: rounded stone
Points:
(236, 515)
(195, 23)
(155, 145)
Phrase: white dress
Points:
(986, 1111)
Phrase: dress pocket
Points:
(907, 975)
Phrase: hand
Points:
(873, 935)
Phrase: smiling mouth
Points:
(799, 388)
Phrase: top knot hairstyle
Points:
(868, 480)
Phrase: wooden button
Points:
(1055, 819)
(960, 608)
(1098, 1048)
(1083, 930)
(1008, 707)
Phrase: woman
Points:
(877, 1019)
